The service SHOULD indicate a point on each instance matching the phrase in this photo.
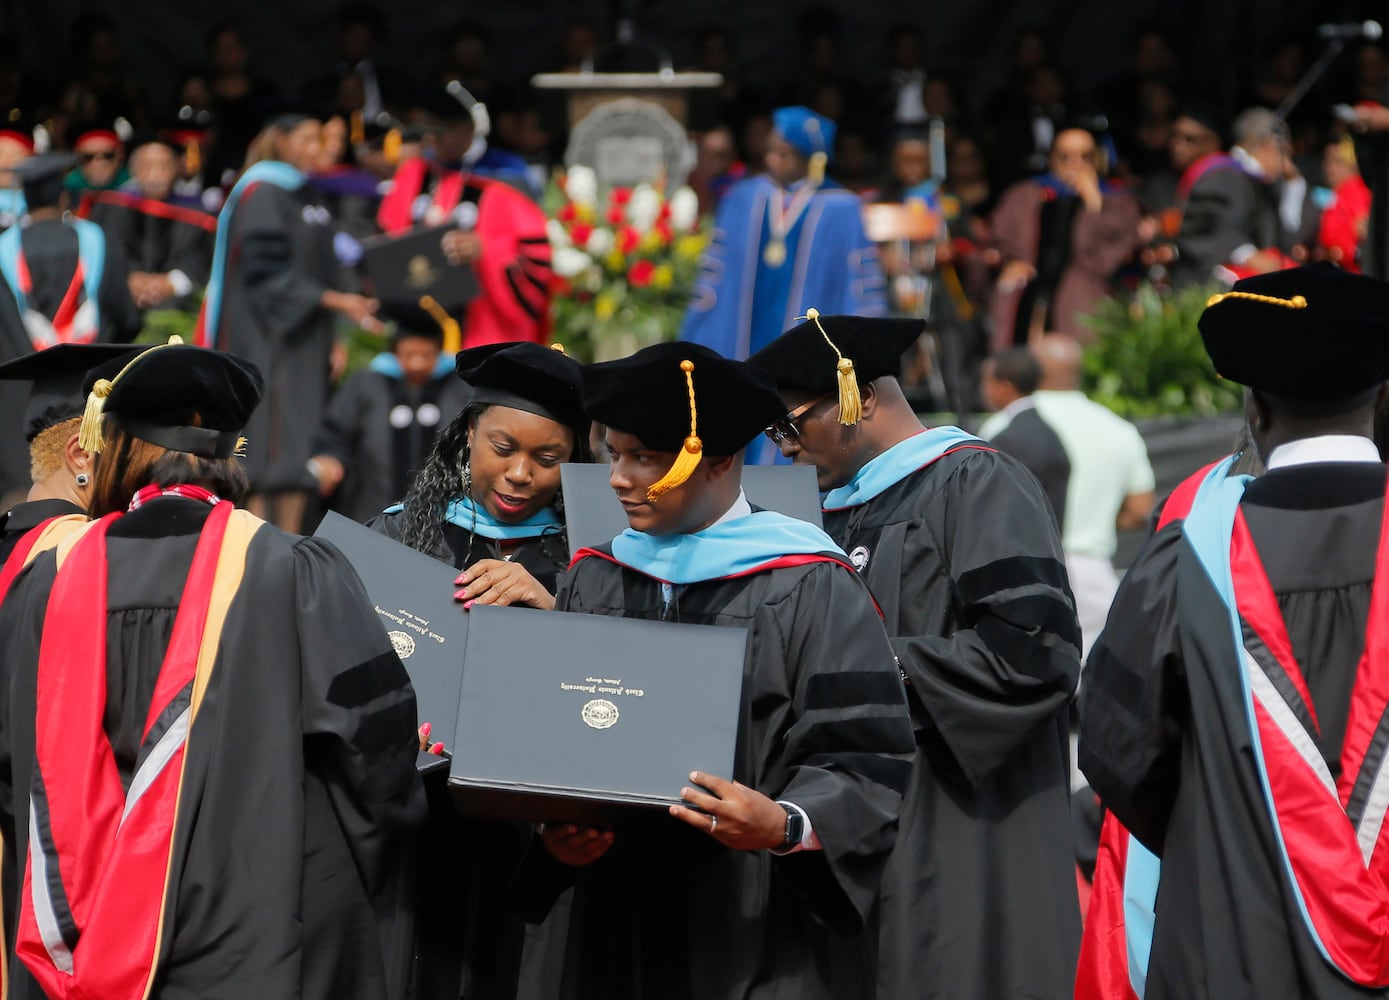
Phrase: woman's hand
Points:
(495, 581)
(425, 746)
(733, 814)
(575, 846)
(357, 308)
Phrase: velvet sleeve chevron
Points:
(1015, 659)
(282, 294)
(358, 710)
(1133, 705)
(513, 271)
(848, 749)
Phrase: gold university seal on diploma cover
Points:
(600, 714)
(403, 644)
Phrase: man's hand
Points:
(1087, 185)
(149, 290)
(495, 581)
(1265, 261)
(733, 814)
(575, 846)
(1370, 117)
(328, 471)
(461, 247)
(1016, 274)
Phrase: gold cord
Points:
(850, 399)
(1296, 302)
(89, 436)
(690, 452)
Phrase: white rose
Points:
(684, 210)
(569, 262)
(581, 185)
(600, 241)
(559, 236)
(644, 207)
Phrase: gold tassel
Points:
(89, 436)
(816, 169)
(559, 348)
(850, 402)
(690, 452)
(390, 146)
(850, 399)
(359, 130)
(453, 334)
(192, 157)
(89, 431)
(240, 450)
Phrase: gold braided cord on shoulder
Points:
(1296, 302)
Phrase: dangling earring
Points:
(83, 479)
(559, 503)
(468, 479)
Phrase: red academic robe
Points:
(514, 269)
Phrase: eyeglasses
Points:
(785, 429)
(105, 157)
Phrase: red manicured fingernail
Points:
(426, 729)
(468, 605)
(460, 595)
(437, 749)
(462, 578)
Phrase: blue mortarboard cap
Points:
(808, 132)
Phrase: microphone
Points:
(1370, 30)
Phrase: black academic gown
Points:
(668, 912)
(280, 261)
(20, 519)
(14, 525)
(979, 897)
(1165, 742)
(50, 248)
(381, 429)
(1222, 213)
(469, 939)
(1031, 440)
(157, 237)
(286, 857)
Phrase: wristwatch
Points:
(795, 828)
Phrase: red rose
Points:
(621, 196)
(628, 239)
(616, 215)
(580, 232)
(664, 213)
(568, 213)
(560, 286)
(663, 230)
(640, 274)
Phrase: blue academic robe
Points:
(740, 304)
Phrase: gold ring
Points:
(713, 823)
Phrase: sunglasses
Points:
(105, 157)
(784, 429)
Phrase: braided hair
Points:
(442, 481)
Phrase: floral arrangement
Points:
(625, 262)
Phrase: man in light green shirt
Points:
(1110, 486)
